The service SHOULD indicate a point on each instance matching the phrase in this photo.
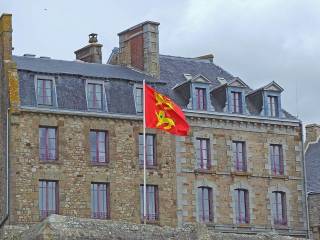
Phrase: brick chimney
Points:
(312, 133)
(91, 53)
(139, 48)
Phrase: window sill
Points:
(154, 167)
(239, 173)
(243, 225)
(54, 162)
(285, 177)
(204, 171)
(282, 227)
(152, 222)
(99, 164)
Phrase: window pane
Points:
(94, 95)
(152, 211)
(99, 200)
(150, 150)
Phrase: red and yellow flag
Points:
(162, 113)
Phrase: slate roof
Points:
(312, 161)
(70, 80)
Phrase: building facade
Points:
(75, 145)
(312, 160)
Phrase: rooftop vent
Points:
(44, 57)
(29, 55)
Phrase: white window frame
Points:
(104, 97)
(53, 93)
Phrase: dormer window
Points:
(139, 99)
(236, 102)
(201, 99)
(272, 106)
(44, 92)
(95, 96)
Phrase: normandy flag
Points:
(162, 113)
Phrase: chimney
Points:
(139, 48)
(312, 133)
(91, 53)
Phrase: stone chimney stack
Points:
(139, 48)
(312, 133)
(91, 53)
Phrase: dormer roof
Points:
(273, 86)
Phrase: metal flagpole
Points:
(144, 156)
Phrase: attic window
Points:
(201, 99)
(139, 99)
(236, 102)
(273, 106)
(94, 95)
(44, 92)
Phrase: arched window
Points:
(279, 208)
(242, 206)
(205, 204)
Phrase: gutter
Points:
(305, 184)
(3, 221)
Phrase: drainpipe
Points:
(305, 183)
(7, 174)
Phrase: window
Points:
(205, 204)
(276, 159)
(150, 150)
(94, 94)
(44, 92)
(203, 153)
(273, 106)
(242, 206)
(100, 199)
(48, 198)
(139, 99)
(239, 156)
(152, 213)
(236, 102)
(201, 103)
(47, 143)
(98, 146)
(279, 208)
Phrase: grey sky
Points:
(257, 40)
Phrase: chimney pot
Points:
(93, 38)
(91, 53)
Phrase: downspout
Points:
(305, 184)
(7, 173)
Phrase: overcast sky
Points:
(258, 40)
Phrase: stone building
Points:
(312, 160)
(74, 141)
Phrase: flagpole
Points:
(144, 156)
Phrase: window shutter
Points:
(281, 161)
(246, 195)
(236, 203)
(244, 157)
(156, 200)
(208, 153)
(284, 208)
(211, 213)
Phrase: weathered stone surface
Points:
(62, 227)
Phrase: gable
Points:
(237, 82)
(200, 79)
(273, 87)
